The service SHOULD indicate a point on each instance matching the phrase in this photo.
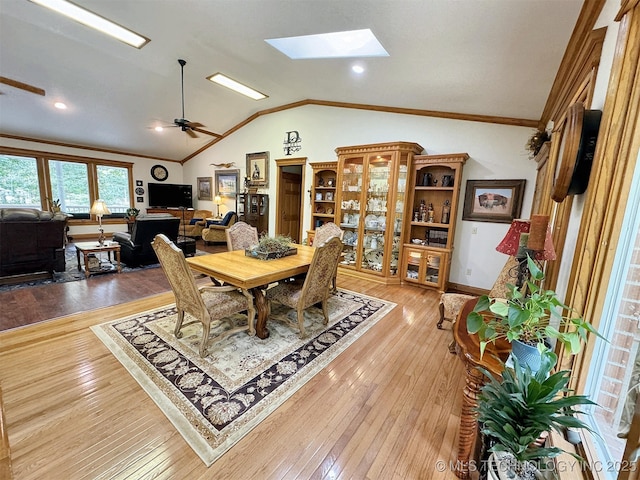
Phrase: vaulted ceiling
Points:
(477, 57)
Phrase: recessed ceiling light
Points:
(358, 68)
(94, 21)
(353, 43)
(225, 81)
(60, 105)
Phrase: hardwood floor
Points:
(386, 408)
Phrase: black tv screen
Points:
(169, 195)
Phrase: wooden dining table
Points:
(253, 275)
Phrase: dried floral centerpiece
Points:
(269, 248)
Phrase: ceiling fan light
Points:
(158, 128)
(225, 81)
(94, 21)
(60, 106)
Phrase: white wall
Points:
(496, 152)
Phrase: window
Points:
(113, 188)
(70, 185)
(19, 186)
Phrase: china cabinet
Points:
(429, 233)
(323, 195)
(371, 204)
(253, 208)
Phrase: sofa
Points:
(215, 231)
(193, 228)
(135, 247)
(31, 241)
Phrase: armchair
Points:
(198, 222)
(215, 232)
(135, 248)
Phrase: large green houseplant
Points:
(530, 315)
(516, 410)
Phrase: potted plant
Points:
(54, 205)
(515, 412)
(527, 318)
(132, 213)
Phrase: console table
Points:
(468, 349)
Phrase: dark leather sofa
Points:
(135, 248)
(31, 241)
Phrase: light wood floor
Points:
(386, 408)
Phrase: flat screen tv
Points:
(169, 195)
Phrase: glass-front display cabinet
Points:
(371, 205)
(429, 233)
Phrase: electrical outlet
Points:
(468, 271)
(474, 230)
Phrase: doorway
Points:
(289, 198)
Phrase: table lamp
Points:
(99, 208)
(528, 237)
(217, 200)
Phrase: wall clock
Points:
(578, 138)
(159, 173)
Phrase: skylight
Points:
(94, 21)
(353, 43)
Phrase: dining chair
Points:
(208, 305)
(324, 233)
(316, 286)
(241, 236)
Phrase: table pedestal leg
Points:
(468, 421)
(262, 312)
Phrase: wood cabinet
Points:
(371, 204)
(323, 195)
(429, 233)
(253, 208)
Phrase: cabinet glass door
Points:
(434, 263)
(376, 209)
(349, 208)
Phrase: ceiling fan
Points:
(185, 125)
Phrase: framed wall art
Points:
(227, 182)
(498, 201)
(205, 188)
(258, 169)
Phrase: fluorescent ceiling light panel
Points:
(225, 81)
(353, 43)
(94, 21)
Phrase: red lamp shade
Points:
(520, 234)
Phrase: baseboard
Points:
(469, 290)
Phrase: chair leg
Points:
(442, 319)
(303, 333)
(325, 311)
(205, 339)
(177, 331)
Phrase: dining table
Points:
(253, 274)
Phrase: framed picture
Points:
(498, 201)
(139, 199)
(138, 183)
(205, 188)
(258, 169)
(227, 182)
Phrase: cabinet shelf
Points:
(431, 224)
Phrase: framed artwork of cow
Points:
(498, 201)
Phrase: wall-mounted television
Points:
(170, 195)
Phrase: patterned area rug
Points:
(214, 402)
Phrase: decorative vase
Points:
(502, 467)
(527, 355)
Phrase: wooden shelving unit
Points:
(323, 195)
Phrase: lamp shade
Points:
(518, 236)
(99, 208)
(217, 200)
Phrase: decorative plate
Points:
(329, 210)
(139, 191)
(374, 257)
(319, 209)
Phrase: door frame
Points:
(288, 162)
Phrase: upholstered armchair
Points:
(198, 222)
(208, 305)
(135, 247)
(215, 231)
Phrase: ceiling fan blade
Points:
(191, 133)
(22, 86)
(206, 132)
(195, 124)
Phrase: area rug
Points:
(71, 272)
(215, 401)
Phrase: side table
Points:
(468, 349)
(87, 248)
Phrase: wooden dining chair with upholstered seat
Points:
(316, 286)
(324, 233)
(209, 305)
(241, 236)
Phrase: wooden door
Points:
(289, 202)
